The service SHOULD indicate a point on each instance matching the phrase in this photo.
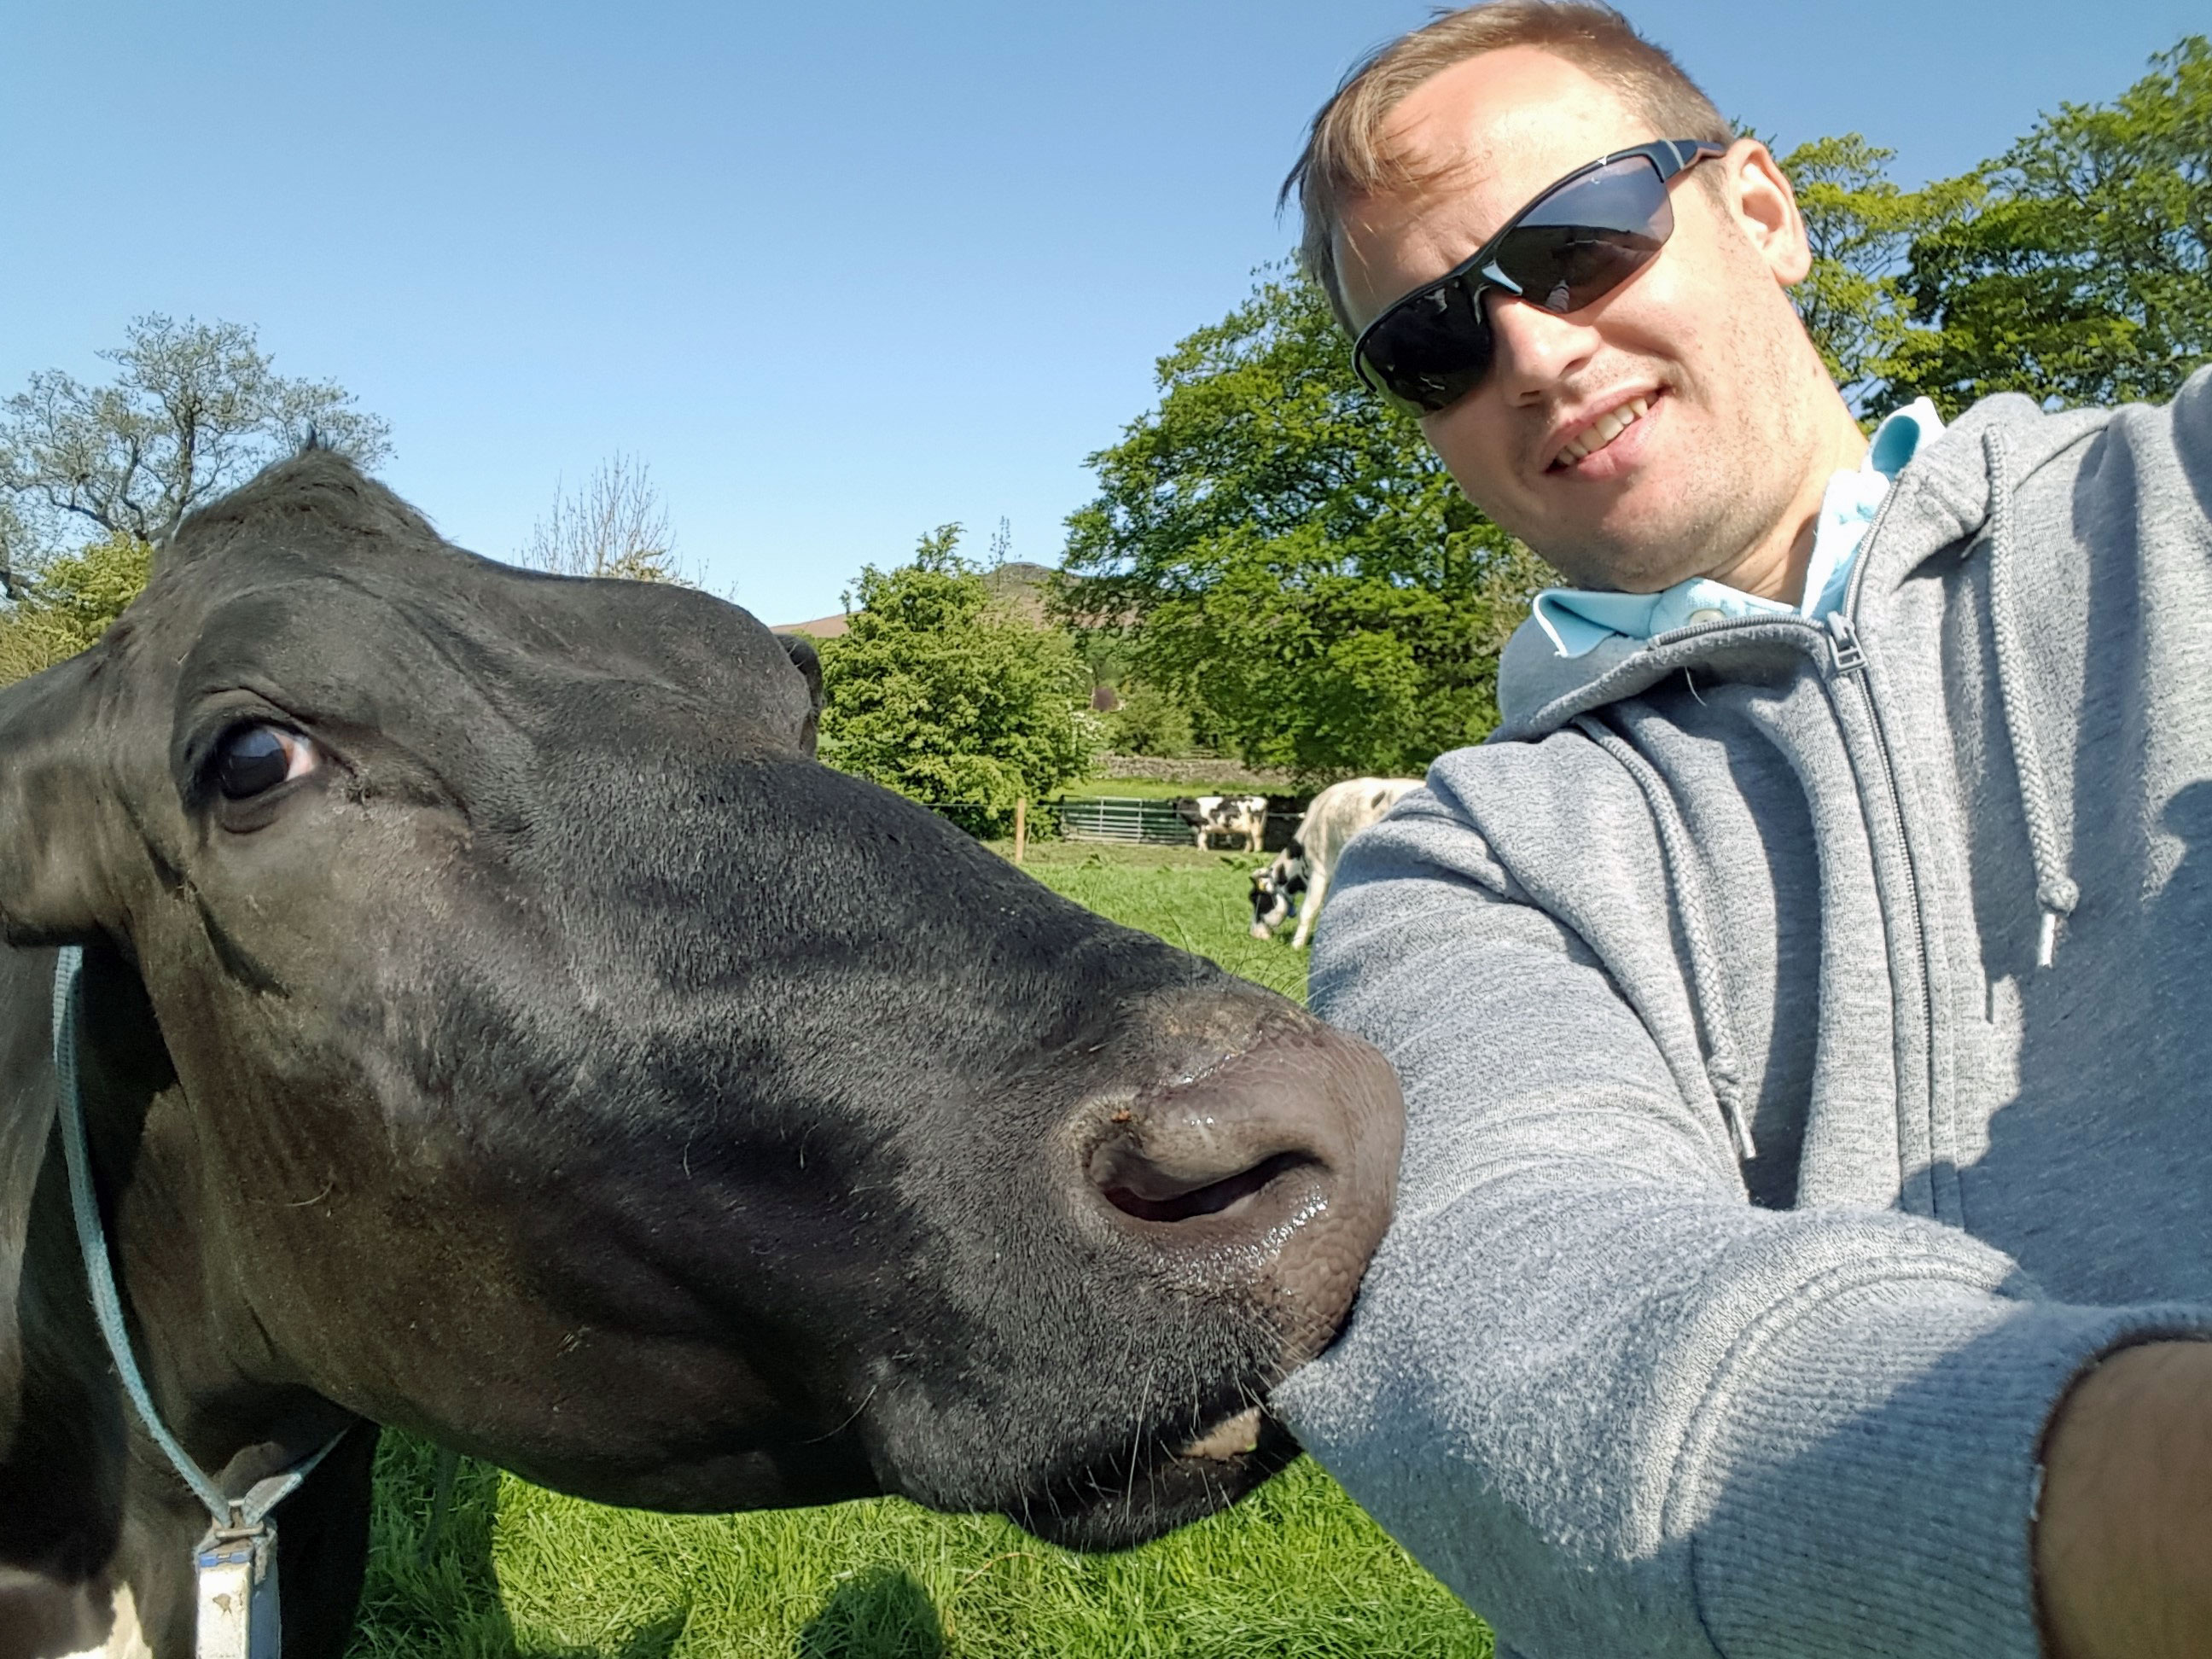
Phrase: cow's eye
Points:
(254, 759)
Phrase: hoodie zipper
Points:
(1848, 665)
(1839, 643)
(1850, 662)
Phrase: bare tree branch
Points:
(616, 524)
(14, 550)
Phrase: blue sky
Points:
(837, 274)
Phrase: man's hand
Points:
(2124, 1550)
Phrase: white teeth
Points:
(1604, 429)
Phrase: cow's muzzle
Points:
(1264, 1175)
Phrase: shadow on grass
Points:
(880, 1614)
(435, 1595)
(442, 1599)
(654, 1641)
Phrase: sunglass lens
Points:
(1575, 245)
(1430, 350)
(1570, 248)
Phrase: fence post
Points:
(1021, 825)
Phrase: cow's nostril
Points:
(1138, 1187)
(1259, 1179)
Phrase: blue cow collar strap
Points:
(235, 1563)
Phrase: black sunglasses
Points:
(1584, 236)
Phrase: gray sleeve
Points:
(1617, 1408)
(2191, 415)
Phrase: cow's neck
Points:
(65, 1421)
(61, 1415)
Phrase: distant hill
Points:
(821, 628)
(1020, 586)
(1017, 585)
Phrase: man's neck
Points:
(1773, 567)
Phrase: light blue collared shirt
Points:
(1579, 619)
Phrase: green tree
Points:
(193, 409)
(944, 695)
(2080, 274)
(68, 601)
(1105, 651)
(1863, 227)
(1288, 557)
(1148, 722)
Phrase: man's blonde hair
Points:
(1346, 155)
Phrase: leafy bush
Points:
(67, 602)
(940, 693)
(1148, 722)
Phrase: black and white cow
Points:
(1304, 867)
(495, 1022)
(1242, 817)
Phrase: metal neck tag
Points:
(235, 1572)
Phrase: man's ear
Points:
(1765, 208)
(808, 661)
(51, 889)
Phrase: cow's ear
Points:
(49, 793)
(808, 661)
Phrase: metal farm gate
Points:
(1120, 817)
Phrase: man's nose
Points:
(1535, 348)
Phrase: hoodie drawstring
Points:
(2055, 892)
(1723, 1070)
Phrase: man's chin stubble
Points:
(1618, 569)
(1713, 541)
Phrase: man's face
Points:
(1703, 339)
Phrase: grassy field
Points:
(522, 1573)
(1198, 900)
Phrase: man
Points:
(1805, 1241)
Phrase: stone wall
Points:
(1213, 776)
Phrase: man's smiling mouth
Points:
(1586, 443)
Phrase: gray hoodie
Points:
(1631, 1387)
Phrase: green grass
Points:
(1295, 1571)
(1198, 900)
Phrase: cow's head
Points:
(1274, 888)
(501, 1030)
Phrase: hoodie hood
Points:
(1954, 489)
(1941, 496)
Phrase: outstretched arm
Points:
(1616, 1406)
(2123, 1547)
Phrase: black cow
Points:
(497, 1024)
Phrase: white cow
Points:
(1244, 817)
(1332, 818)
